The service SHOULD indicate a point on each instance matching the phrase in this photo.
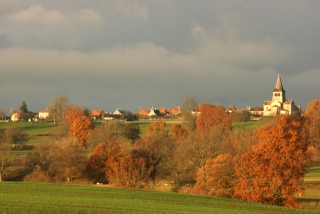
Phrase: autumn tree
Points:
(67, 162)
(80, 124)
(131, 131)
(96, 165)
(125, 169)
(124, 134)
(15, 135)
(312, 127)
(242, 116)
(57, 108)
(156, 127)
(217, 177)
(157, 150)
(178, 132)
(192, 153)
(274, 170)
(59, 161)
(212, 116)
(5, 158)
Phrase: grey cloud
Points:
(101, 55)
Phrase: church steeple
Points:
(279, 94)
(279, 85)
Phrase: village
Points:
(279, 105)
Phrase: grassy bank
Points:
(19, 197)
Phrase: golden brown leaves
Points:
(274, 170)
(80, 125)
(212, 116)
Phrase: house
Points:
(153, 112)
(279, 105)
(44, 114)
(163, 111)
(96, 114)
(144, 112)
(257, 111)
(149, 112)
(118, 113)
(174, 111)
(15, 117)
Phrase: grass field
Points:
(311, 199)
(21, 197)
(253, 125)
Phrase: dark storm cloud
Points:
(130, 54)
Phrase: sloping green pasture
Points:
(22, 197)
(253, 125)
(311, 199)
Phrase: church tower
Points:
(279, 94)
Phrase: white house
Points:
(44, 114)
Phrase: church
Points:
(279, 105)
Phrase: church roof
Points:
(279, 85)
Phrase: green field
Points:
(22, 197)
(253, 125)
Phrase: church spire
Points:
(279, 85)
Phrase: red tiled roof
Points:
(144, 112)
(174, 110)
(163, 110)
(96, 112)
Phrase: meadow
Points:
(23, 197)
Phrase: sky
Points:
(127, 54)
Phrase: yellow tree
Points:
(273, 171)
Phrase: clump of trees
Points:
(242, 116)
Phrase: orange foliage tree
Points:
(217, 177)
(124, 170)
(96, 165)
(312, 114)
(178, 132)
(156, 127)
(212, 116)
(273, 171)
(80, 125)
(157, 150)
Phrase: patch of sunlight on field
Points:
(311, 199)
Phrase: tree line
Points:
(203, 155)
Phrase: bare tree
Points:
(188, 105)
(2, 114)
(57, 108)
